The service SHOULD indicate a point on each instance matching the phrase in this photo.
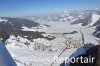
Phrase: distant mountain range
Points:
(86, 18)
(90, 20)
(75, 17)
(48, 33)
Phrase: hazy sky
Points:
(17, 8)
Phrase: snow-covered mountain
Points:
(59, 17)
(15, 23)
(91, 20)
(85, 18)
(94, 19)
(34, 41)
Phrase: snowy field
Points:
(41, 51)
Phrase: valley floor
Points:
(43, 54)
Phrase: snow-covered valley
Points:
(37, 45)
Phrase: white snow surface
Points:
(31, 55)
(3, 20)
(94, 19)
